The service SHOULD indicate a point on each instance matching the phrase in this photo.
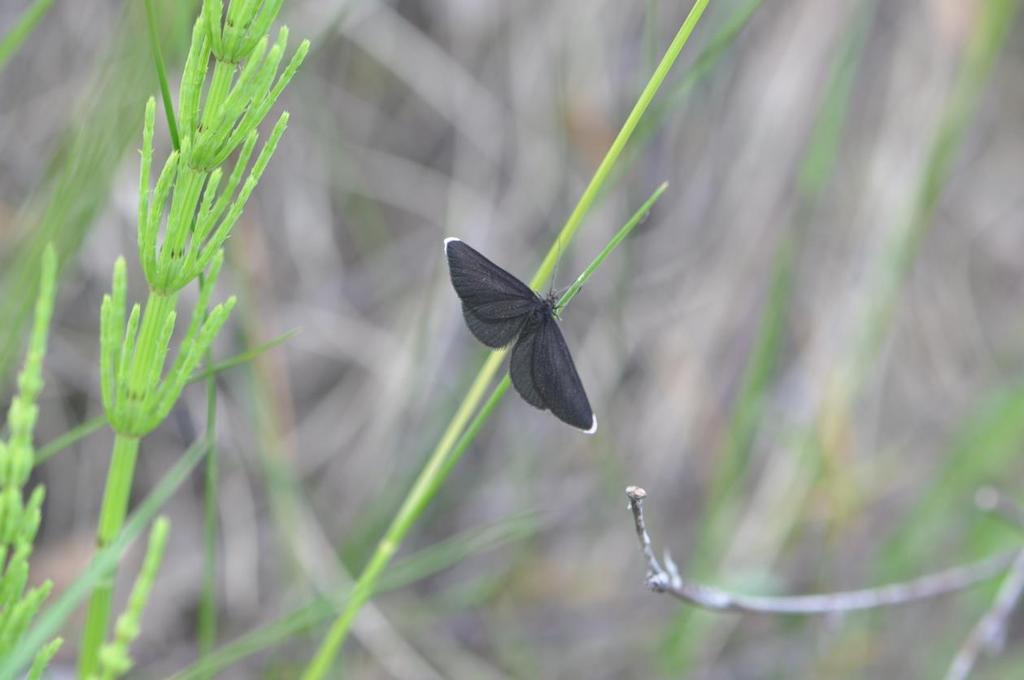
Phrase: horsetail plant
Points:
(184, 219)
(19, 519)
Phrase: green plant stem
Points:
(436, 470)
(27, 23)
(619, 237)
(119, 487)
(161, 72)
(597, 182)
(207, 625)
(112, 514)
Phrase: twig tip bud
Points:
(636, 493)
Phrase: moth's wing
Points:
(556, 380)
(495, 303)
(491, 332)
(478, 279)
(521, 367)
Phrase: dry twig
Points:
(990, 631)
(667, 579)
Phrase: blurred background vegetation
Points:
(810, 355)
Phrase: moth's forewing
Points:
(495, 303)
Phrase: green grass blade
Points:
(243, 358)
(420, 565)
(70, 437)
(705, 62)
(611, 158)
(639, 216)
(161, 72)
(27, 23)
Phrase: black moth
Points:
(498, 309)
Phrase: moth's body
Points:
(499, 309)
(544, 311)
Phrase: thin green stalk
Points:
(112, 514)
(243, 357)
(73, 435)
(27, 23)
(207, 627)
(161, 72)
(714, 49)
(612, 156)
(434, 473)
(142, 378)
(639, 216)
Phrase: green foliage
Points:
(19, 519)
(195, 216)
(233, 106)
(247, 22)
(103, 563)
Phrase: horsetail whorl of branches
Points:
(185, 218)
